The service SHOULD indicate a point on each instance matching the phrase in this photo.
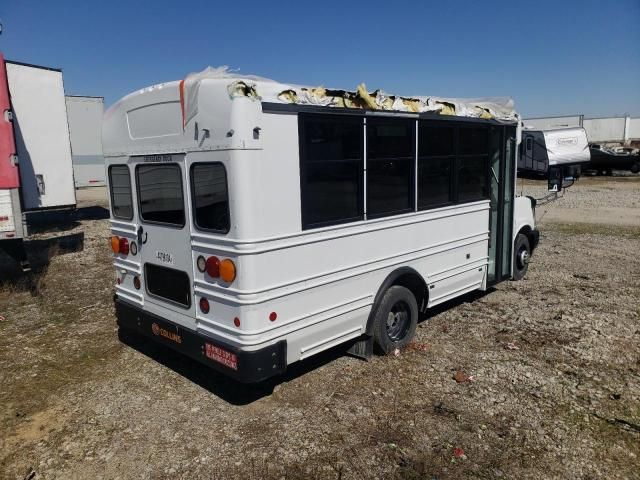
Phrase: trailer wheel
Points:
(521, 256)
(395, 320)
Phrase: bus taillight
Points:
(212, 266)
(115, 244)
(227, 270)
(124, 246)
(204, 305)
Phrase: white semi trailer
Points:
(36, 171)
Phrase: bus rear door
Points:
(164, 236)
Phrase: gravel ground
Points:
(535, 379)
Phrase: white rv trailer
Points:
(85, 130)
(35, 154)
(256, 224)
(541, 150)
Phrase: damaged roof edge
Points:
(271, 107)
(272, 93)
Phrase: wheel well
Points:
(404, 277)
(528, 232)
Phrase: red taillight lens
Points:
(212, 266)
(236, 322)
(204, 305)
(136, 282)
(273, 316)
(124, 246)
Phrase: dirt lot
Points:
(554, 363)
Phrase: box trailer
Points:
(36, 172)
(560, 147)
(85, 129)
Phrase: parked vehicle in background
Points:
(256, 224)
(605, 159)
(35, 155)
(541, 150)
(85, 129)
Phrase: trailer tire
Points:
(395, 319)
(521, 256)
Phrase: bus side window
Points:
(436, 157)
(473, 164)
(331, 169)
(390, 166)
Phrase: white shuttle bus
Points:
(256, 223)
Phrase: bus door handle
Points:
(140, 232)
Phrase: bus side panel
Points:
(322, 291)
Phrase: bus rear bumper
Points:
(244, 366)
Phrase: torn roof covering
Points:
(266, 90)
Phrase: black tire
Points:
(395, 320)
(635, 168)
(521, 256)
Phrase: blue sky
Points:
(552, 57)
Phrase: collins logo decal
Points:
(162, 332)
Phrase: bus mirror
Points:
(555, 179)
(560, 177)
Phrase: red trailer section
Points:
(9, 177)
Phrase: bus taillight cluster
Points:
(121, 245)
(216, 268)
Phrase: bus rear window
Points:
(210, 197)
(160, 194)
(120, 186)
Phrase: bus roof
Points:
(169, 117)
(271, 91)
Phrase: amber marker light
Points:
(115, 244)
(227, 270)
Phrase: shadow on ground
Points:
(237, 393)
(48, 227)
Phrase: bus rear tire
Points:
(395, 320)
(521, 256)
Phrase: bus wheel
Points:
(521, 256)
(395, 319)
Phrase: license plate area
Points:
(221, 356)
